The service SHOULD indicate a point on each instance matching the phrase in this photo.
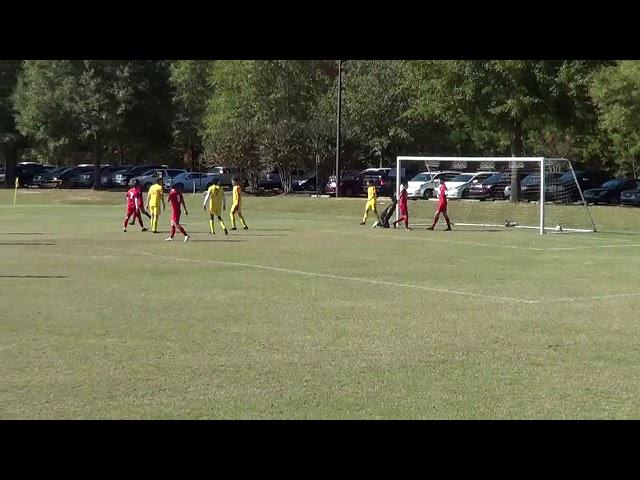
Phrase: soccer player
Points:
(387, 212)
(154, 197)
(236, 205)
(372, 196)
(134, 206)
(217, 202)
(403, 208)
(177, 200)
(442, 207)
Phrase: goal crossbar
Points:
(531, 160)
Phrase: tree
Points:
(95, 103)
(616, 92)
(9, 70)
(192, 83)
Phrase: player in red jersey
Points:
(442, 207)
(403, 208)
(177, 201)
(134, 206)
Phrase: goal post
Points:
(551, 183)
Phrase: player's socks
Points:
(186, 238)
(211, 227)
(182, 231)
(173, 231)
(244, 224)
(124, 229)
(233, 221)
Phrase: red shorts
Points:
(404, 213)
(132, 211)
(442, 208)
(175, 217)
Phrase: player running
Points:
(177, 200)
(235, 206)
(403, 208)
(135, 203)
(442, 207)
(372, 196)
(154, 197)
(217, 202)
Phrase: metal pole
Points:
(338, 129)
(541, 197)
(584, 202)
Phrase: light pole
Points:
(338, 129)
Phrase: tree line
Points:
(280, 114)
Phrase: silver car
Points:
(149, 177)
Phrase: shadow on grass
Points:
(26, 243)
(34, 276)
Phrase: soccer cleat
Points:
(429, 228)
(363, 223)
(394, 225)
(186, 238)
(124, 230)
(168, 239)
(375, 224)
(447, 229)
(233, 228)
(226, 232)
(246, 228)
(212, 233)
(155, 231)
(144, 229)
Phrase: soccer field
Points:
(310, 315)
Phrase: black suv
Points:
(121, 178)
(493, 188)
(565, 189)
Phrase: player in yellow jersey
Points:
(216, 203)
(155, 196)
(236, 205)
(372, 198)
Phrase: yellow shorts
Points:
(215, 210)
(371, 205)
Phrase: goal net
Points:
(501, 192)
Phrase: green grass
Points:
(141, 328)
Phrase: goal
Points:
(502, 192)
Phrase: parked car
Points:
(272, 179)
(566, 190)
(632, 196)
(2, 174)
(45, 179)
(71, 178)
(306, 184)
(121, 179)
(191, 181)
(226, 175)
(530, 185)
(458, 187)
(424, 184)
(493, 187)
(149, 177)
(350, 183)
(384, 179)
(85, 179)
(108, 179)
(610, 191)
(25, 171)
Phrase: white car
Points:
(425, 185)
(458, 187)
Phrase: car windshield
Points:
(461, 178)
(58, 170)
(422, 177)
(613, 183)
(531, 179)
(495, 178)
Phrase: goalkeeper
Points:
(387, 213)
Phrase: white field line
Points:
(478, 244)
(328, 275)
(353, 279)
